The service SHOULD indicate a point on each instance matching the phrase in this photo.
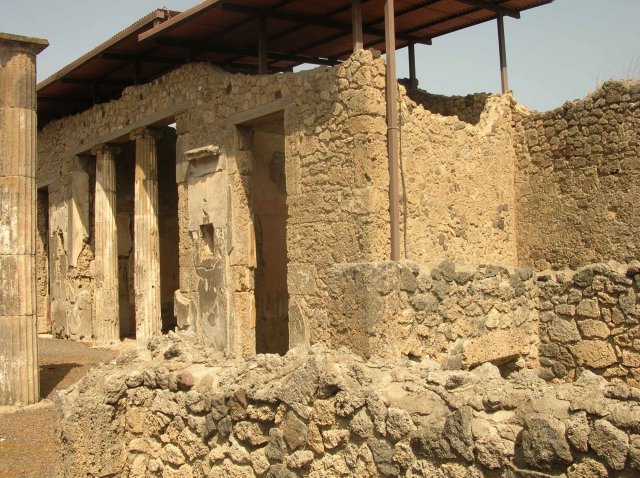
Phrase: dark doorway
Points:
(269, 209)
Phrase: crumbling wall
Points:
(590, 319)
(467, 108)
(459, 183)
(182, 411)
(577, 180)
(461, 316)
(336, 183)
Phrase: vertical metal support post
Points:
(504, 78)
(263, 57)
(392, 128)
(413, 80)
(356, 21)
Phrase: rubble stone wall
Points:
(336, 183)
(459, 182)
(590, 319)
(183, 411)
(460, 316)
(578, 180)
(467, 108)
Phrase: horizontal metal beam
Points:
(142, 58)
(94, 81)
(253, 53)
(492, 7)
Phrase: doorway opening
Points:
(168, 227)
(269, 210)
(43, 306)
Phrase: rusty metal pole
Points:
(356, 21)
(503, 55)
(392, 128)
(413, 80)
(263, 56)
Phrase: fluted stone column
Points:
(107, 309)
(19, 374)
(146, 237)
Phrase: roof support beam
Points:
(413, 79)
(263, 53)
(204, 48)
(392, 128)
(141, 58)
(492, 7)
(310, 21)
(356, 20)
(504, 78)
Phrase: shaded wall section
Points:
(459, 180)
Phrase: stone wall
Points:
(182, 411)
(458, 315)
(459, 181)
(590, 319)
(336, 182)
(577, 180)
(467, 108)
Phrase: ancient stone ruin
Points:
(241, 229)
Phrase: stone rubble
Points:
(176, 409)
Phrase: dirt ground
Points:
(27, 442)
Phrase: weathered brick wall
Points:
(467, 108)
(460, 316)
(185, 412)
(577, 180)
(590, 319)
(459, 185)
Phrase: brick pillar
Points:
(107, 310)
(19, 374)
(146, 236)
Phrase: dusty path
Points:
(27, 443)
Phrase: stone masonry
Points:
(178, 410)
(19, 372)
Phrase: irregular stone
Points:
(399, 423)
(610, 444)
(294, 431)
(563, 331)
(334, 438)
(578, 431)
(543, 442)
(594, 353)
(588, 308)
(300, 459)
(587, 468)
(249, 432)
(593, 329)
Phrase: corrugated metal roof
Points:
(226, 32)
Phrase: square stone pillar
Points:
(107, 308)
(146, 236)
(19, 374)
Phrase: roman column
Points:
(19, 374)
(146, 237)
(107, 309)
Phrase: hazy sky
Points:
(556, 52)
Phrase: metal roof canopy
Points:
(253, 36)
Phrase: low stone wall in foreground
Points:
(176, 410)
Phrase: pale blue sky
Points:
(556, 52)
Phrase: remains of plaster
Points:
(19, 371)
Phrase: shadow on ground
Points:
(53, 374)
